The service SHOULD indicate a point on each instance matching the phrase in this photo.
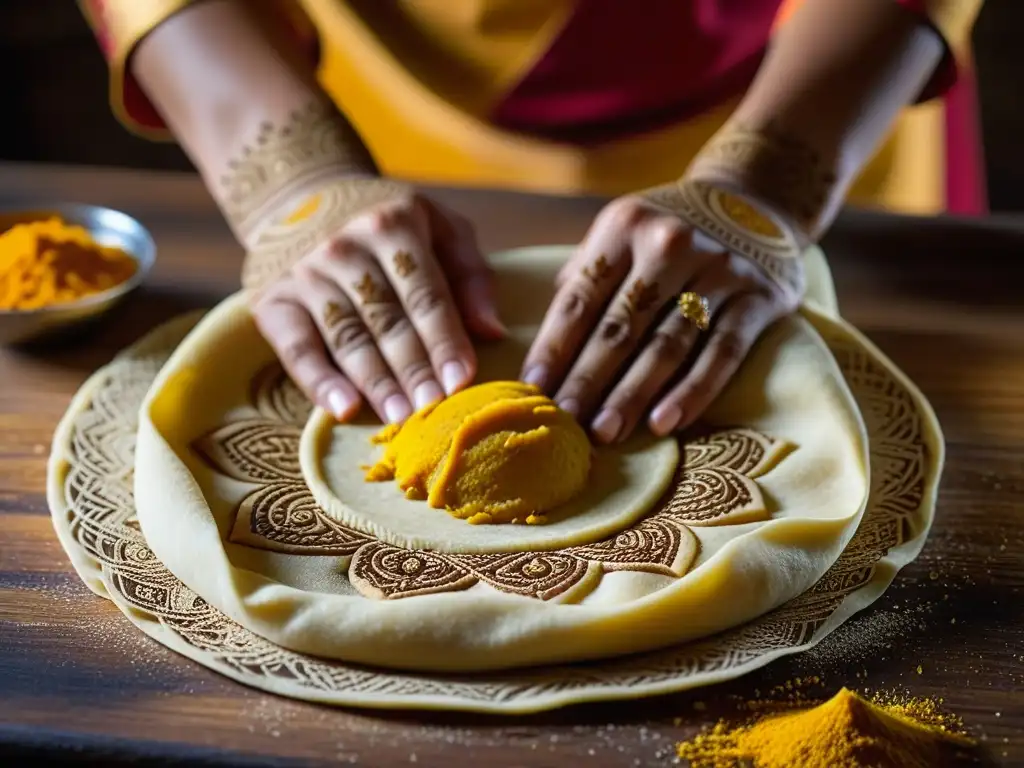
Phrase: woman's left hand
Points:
(614, 347)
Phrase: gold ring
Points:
(694, 308)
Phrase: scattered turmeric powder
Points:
(43, 263)
(846, 731)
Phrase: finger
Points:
(350, 343)
(469, 275)
(734, 332)
(399, 238)
(603, 261)
(667, 351)
(360, 277)
(573, 263)
(286, 324)
(663, 262)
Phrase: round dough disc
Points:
(768, 495)
(625, 482)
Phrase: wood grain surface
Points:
(941, 297)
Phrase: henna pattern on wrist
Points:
(703, 206)
(310, 223)
(778, 169)
(761, 194)
(313, 143)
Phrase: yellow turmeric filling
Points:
(43, 263)
(499, 452)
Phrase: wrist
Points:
(760, 196)
(310, 220)
(770, 182)
(309, 148)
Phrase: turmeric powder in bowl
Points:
(50, 262)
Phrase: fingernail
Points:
(607, 425)
(571, 405)
(339, 403)
(397, 409)
(426, 393)
(665, 418)
(453, 374)
(537, 376)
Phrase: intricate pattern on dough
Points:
(95, 515)
(383, 571)
(653, 545)
(712, 488)
(717, 484)
(544, 575)
(286, 514)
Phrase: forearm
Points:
(836, 76)
(245, 105)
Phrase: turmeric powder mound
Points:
(844, 732)
(43, 263)
(500, 452)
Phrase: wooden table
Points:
(941, 297)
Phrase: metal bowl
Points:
(107, 227)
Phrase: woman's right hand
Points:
(383, 311)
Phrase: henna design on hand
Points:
(762, 194)
(369, 292)
(314, 142)
(641, 297)
(333, 315)
(405, 265)
(599, 270)
(310, 223)
(773, 166)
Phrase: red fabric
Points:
(620, 68)
(623, 68)
(966, 184)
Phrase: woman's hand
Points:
(381, 311)
(614, 348)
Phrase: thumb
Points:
(469, 275)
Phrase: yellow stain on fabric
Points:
(499, 452)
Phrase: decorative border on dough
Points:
(90, 494)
